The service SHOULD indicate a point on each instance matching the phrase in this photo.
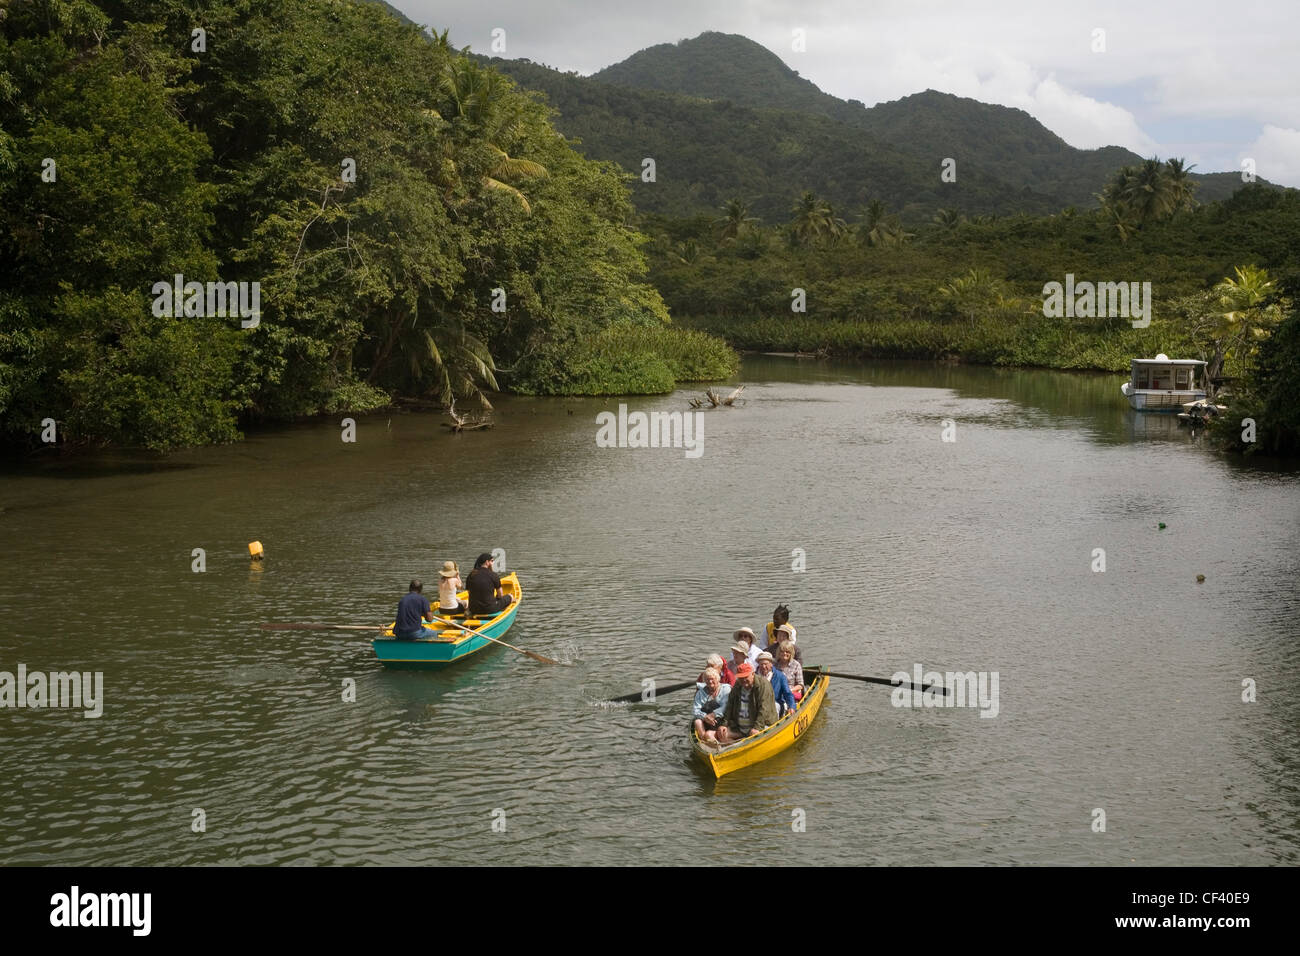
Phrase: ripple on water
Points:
(1118, 690)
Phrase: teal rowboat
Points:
(444, 644)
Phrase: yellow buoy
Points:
(255, 549)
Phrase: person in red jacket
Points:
(725, 673)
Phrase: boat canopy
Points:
(1163, 374)
(1163, 359)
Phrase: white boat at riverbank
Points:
(1163, 384)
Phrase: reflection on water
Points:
(1119, 689)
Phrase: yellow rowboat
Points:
(770, 742)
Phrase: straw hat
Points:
(789, 629)
(448, 570)
(746, 633)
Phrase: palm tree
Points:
(735, 219)
(811, 218)
(1181, 188)
(973, 293)
(875, 228)
(1119, 218)
(815, 219)
(1148, 193)
(949, 219)
(459, 362)
(1250, 310)
(482, 127)
(894, 232)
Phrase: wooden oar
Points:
(937, 688)
(313, 626)
(534, 656)
(633, 698)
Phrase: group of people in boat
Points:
(485, 594)
(740, 697)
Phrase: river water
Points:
(1119, 692)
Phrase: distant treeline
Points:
(1223, 277)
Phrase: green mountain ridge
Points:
(723, 116)
(708, 151)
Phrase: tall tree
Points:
(735, 219)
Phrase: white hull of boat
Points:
(1159, 400)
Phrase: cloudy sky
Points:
(1213, 82)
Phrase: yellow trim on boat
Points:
(436, 630)
(770, 742)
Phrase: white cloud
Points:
(1277, 155)
(1081, 120)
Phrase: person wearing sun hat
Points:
(781, 635)
(750, 640)
(449, 583)
(739, 655)
(750, 707)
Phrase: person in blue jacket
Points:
(780, 686)
(412, 611)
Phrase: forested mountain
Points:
(767, 134)
(726, 66)
(706, 152)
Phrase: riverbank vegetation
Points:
(972, 289)
(413, 222)
(414, 226)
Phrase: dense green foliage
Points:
(476, 249)
(701, 273)
(228, 156)
(774, 134)
(974, 291)
(1269, 394)
(627, 359)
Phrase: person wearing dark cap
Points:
(484, 587)
(412, 609)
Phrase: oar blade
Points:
(639, 695)
(317, 626)
(887, 682)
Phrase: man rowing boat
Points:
(411, 610)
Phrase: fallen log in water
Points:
(466, 423)
(713, 399)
